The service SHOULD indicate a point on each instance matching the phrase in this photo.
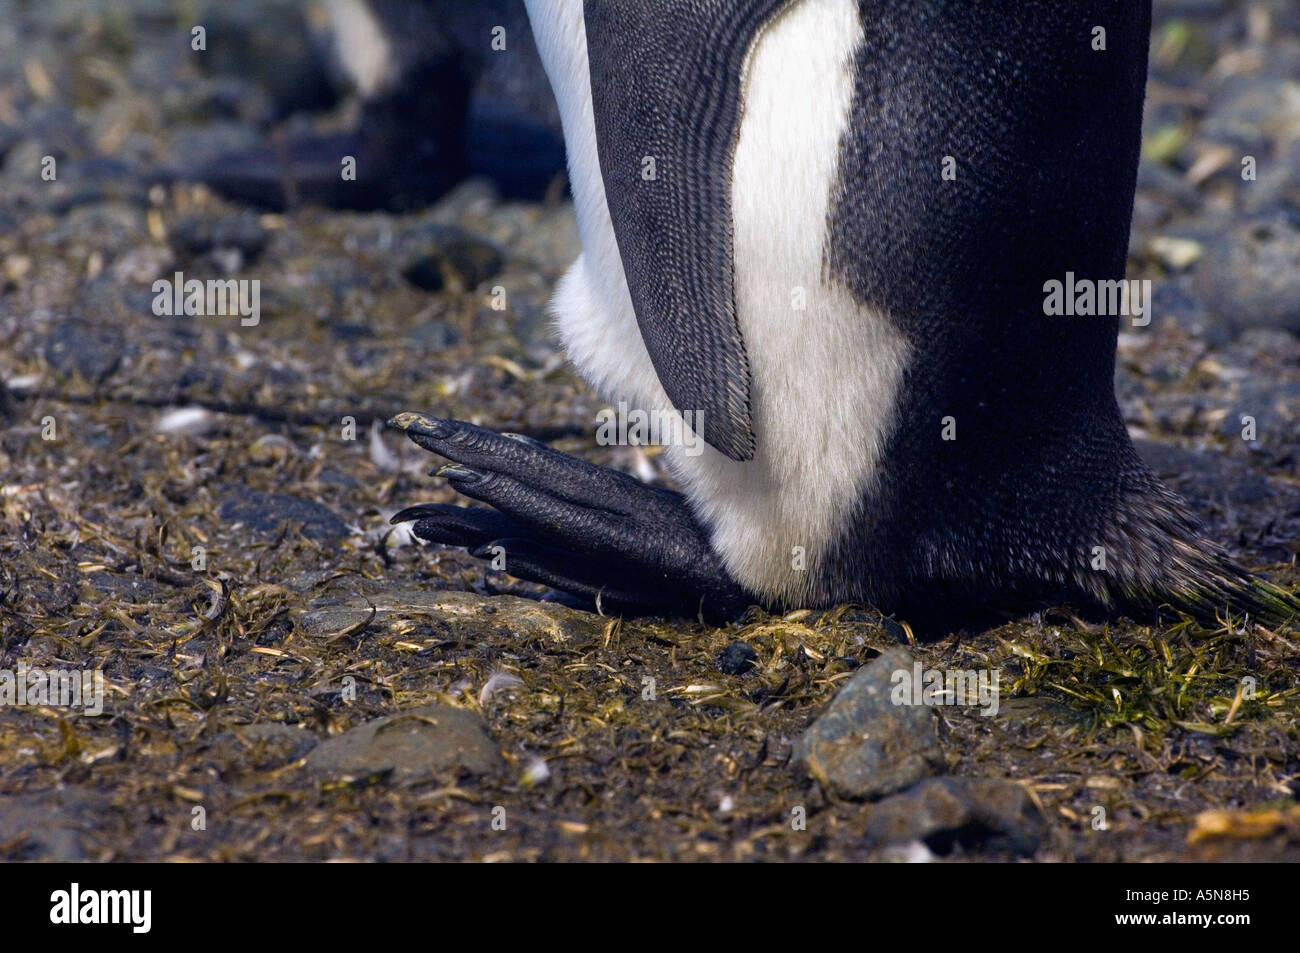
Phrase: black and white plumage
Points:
(446, 89)
(798, 270)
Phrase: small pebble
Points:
(737, 659)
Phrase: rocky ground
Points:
(200, 510)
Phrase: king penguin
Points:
(819, 233)
(444, 89)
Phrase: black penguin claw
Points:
(569, 524)
(610, 585)
(459, 525)
(521, 458)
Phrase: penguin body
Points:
(774, 163)
(446, 89)
(469, 70)
(772, 249)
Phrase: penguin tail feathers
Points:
(1216, 591)
(1162, 561)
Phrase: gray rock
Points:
(1244, 111)
(1277, 186)
(864, 745)
(217, 99)
(1176, 298)
(241, 233)
(141, 265)
(477, 193)
(1204, 476)
(737, 659)
(266, 512)
(532, 324)
(48, 129)
(467, 614)
(129, 587)
(351, 330)
(109, 225)
(262, 746)
(443, 253)
(1250, 276)
(433, 742)
(75, 348)
(1274, 404)
(434, 335)
(1164, 192)
(49, 826)
(1037, 712)
(944, 813)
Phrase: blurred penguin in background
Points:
(446, 89)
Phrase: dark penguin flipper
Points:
(569, 524)
(666, 142)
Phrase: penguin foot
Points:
(569, 524)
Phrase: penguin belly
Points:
(825, 368)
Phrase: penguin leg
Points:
(570, 524)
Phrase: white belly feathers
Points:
(825, 369)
